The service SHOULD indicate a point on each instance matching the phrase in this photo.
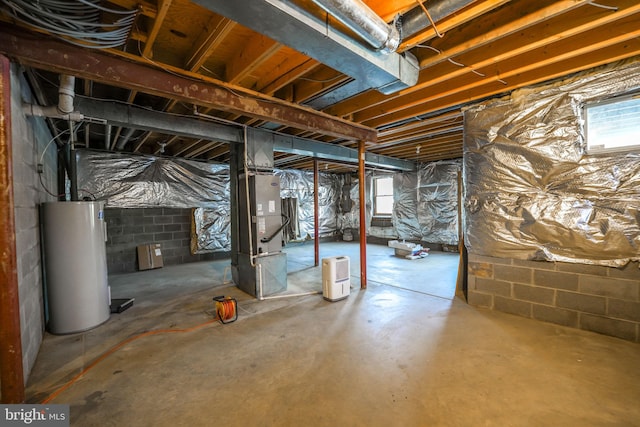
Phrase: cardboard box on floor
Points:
(149, 256)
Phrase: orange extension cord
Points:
(118, 347)
(226, 309)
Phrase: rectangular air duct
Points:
(288, 24)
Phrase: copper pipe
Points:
(363, 217)
(11, 374)
(316, 216)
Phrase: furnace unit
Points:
(258, 265)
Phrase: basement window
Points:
(383, 196)
(613, 124)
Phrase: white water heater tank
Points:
(336, 278)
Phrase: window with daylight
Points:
(613, 124)
(383, 196)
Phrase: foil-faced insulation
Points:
(437, 207)
(127, 181)
(532, 191)
(297, 184)
(211, 230)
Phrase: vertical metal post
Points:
(316, 212)
(363, 216)
(11, 374)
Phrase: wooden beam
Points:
(552, 69)
(465, 15)
(213, 38)
(124, 70)
(275, 79)
(163, 8)
(457, 44)
(589, 35)
(255, 53)
(11, 372)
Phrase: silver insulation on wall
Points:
(211, 230)
(533, 193)
(298, 184)
(127, 181)
(425, 203)
(437, 208)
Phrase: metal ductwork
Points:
(299, 29)
(416, 20)
(412, 22)
(363, 21)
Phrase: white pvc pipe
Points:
(66, 93)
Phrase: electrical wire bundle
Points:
(226, 309)
(77, 21)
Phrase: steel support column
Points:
(11, 373)
(363, 216)
(316, 216)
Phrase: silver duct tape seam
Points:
(533, 193)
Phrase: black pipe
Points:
(73, 175)
(270, 238)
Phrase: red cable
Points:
(116, 348)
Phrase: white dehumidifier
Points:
(336, 279)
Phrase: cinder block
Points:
(489, 259)
(172, 227)
(629, 271)
(533, 294)
(181, 235)
(120, 239)
(627, 310)
(591, 269)
(479, 299)
(173, 211)
(173, 260)
(153, 228)
(162, 219)
(133, 212)
(507, 305)
(481, 269)
(495, 287)
(555, 315)
(152, 212)
(159, 237)
(553, 279)
(539, 265)
(575, 301)
(132, 230)
(512, 274)
(143, 239)
(610, 287)
(181, 219)
(617, 328)
(471, 282)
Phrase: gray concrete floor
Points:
(404, 352)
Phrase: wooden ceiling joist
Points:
(123, 70)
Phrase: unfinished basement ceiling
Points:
(473, 50)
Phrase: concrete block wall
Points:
(29, 137)
(590, 297)
(128, 228)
